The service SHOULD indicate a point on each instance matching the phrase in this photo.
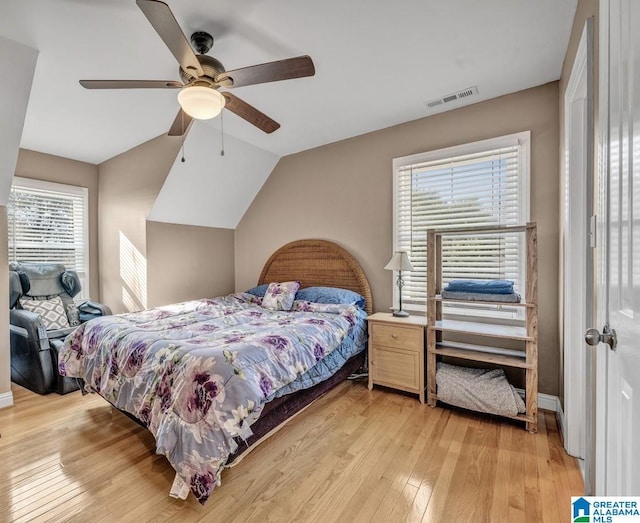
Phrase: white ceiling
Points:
(377, 62)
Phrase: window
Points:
(479, 184)
(48, 222)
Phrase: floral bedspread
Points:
(197, 373)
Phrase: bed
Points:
(210, 378)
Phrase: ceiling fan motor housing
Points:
(210, 66)
(202, 43)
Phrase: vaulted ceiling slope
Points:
(209, 189)
(17, 64)
(376, 64)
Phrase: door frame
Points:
(578, 281)
(600, 441)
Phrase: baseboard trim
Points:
(548, 402)
(560, 419)
(6, 399)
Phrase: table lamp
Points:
(400, 262)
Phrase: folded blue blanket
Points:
(483, 286)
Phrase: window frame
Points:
(72, 190)
(523, 140)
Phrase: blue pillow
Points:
(330, 295)
(259, 291)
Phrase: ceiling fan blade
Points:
(163, 21)
(181, 124)
(270, 72)
(130, 84)
(250, 113)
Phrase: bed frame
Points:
(312, 263)
(317, 263)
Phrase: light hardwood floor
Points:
(354, 455)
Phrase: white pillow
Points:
(51, 311)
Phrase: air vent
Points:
(460, 95)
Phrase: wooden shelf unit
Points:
(485, 329)
(526, 359)
(480, 302)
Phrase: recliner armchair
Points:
(42, 314)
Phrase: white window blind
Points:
(480, 184)
(48, 222)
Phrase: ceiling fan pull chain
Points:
(222, 133)
(183, 136)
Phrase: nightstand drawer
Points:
(397, 336)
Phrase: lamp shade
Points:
(399, 262)
(200, 102)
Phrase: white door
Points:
(618, 375)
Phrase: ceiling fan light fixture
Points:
(201, 102)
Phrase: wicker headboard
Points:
(317, 263)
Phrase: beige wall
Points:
(343, 192)
(585, 10)
(187, 262)
(139, 260)
(128, 186)
(40, 166)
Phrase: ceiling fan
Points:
(202, 75)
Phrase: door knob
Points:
(593, 337)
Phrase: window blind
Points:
(47, 222)
(485, 187)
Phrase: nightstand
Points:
(397, 352)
